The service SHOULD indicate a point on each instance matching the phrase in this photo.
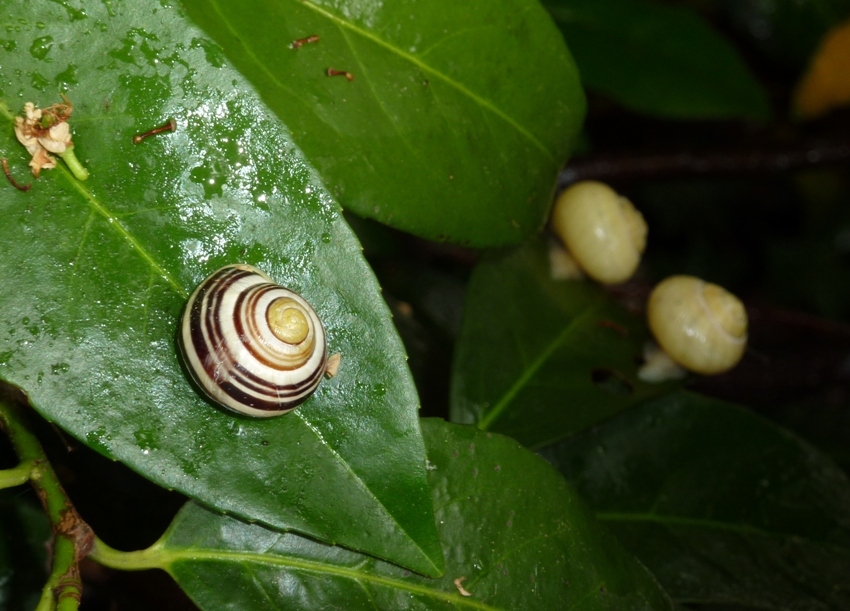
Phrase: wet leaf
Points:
(515, 536)
(658, 59)
(541, 359)
(96, 275)
(722, 506)
(457, 119)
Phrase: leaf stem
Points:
(16, 476)
(77, 169)
(72, 537)
(154, 557)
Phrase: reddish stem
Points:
(12, 180)
(303, 41)
(170, 126)
(348, 75)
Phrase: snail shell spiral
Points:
(253, 346)
(702, 326)
(603, 231)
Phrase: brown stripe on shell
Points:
(208, 343)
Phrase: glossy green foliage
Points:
(722, 506)
(456, 121)
(515, 536)
(658, 59)
(788, 30)
(96, 275)
(541, 359)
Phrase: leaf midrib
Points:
(364, 487)
(532, 369)
(111, 218)
(342, 23)
(705, 523)
(162, 557)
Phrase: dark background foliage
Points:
(736, 191)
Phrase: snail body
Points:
(602, 230)
(253, 346)
(702, 326)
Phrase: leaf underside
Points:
(457, 119)
(515, 536)
(95, 275)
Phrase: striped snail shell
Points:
(253, 346)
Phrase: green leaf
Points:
(722, 506)
(24, 539)
(541, 359)
(457, 120)
(95, 275)
(515, 536)
(788, 30)
(658, 59)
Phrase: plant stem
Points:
(72, 537)
(639, 165)
(151, 558)
(16, 476)
(77, 169)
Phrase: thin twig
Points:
(72, 537)
(636, 165)
(296, 44)
(169, 126)
(348, 75)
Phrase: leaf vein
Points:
(483, 102)
(311, 566)
(529, 372)
(112, 219)
(358, 479)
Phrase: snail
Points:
(602, 230)
(700, 325)
(253, 346)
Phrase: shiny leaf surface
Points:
(457, 118)
(722, 506)
(515, 536)
(541, 359)
(658, 59)
(95, 275)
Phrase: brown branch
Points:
(630, 166)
